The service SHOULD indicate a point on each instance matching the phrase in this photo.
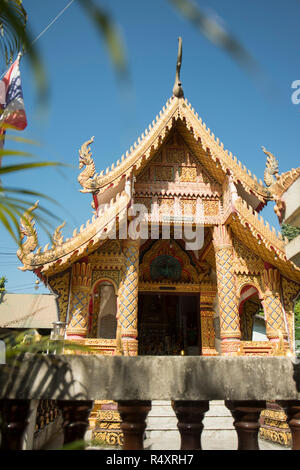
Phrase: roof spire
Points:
(177, 89)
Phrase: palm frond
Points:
(217, 34)
(11, 34)
(14, 202)
(111, 35)
(15, 38)
(25, 166)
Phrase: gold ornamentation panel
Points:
(189, 273)
(245, 261)
(114, 275)
(274, 427)
(174, 163)
(164, 173)
(228, 302)
(60, 284)
(128, 289)
(290, 291)
(188, 174)
(248, 280)
(211, 207)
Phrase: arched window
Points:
(252, 318)
(107, 321)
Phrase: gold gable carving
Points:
(246, 262)
(175, 163)
(243, 280)
(60, 286)
(189, 273)
(111, 246)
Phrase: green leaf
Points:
(14, 153)
(26, 166)
(217, 34)
(289, 231)
(110, 34)
(16, 38)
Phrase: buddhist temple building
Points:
(176, 258)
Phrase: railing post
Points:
(190, 415)
(75, 419)
(292, 411)
(15, 414)
(246, 422)
(133, 414)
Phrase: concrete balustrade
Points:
(190, 382)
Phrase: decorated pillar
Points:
(228, 301)
(207, 296)
(290, 291)
(274, 313)
(128, 297)
(119, 347)
(80, 296)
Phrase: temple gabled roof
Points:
(178, 111)
(177, 114)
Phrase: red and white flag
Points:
(12, 110)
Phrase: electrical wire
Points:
(46, 29)
(52, 22)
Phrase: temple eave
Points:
(253, 232)
(197, 135)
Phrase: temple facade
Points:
(176, 258)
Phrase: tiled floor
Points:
(57, 443)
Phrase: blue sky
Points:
(86, 98)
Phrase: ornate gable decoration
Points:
(245, 261)
(175, 184)
(278, 184)
(169, 263)
(204, 142)
(175, 170)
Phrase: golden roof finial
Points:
(177, 89)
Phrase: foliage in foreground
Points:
(297, 320)
(30, 341)
(290, 231)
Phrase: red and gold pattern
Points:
(228, 302)
(207, 313)
(81, 287)
(290, 291)
(128, 297)
(272, 304)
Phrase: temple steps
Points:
(162, 433)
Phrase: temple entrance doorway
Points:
(168, 324)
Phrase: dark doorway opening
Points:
(168, 324)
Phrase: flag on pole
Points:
(12, 110)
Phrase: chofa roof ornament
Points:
(177, 89)
(271, 169)
(278, 183)
(86, 160)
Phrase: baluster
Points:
(292, 411)
(246, 422)
(190, 415)
(15, 418)
(75, 419)
(133, 414)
